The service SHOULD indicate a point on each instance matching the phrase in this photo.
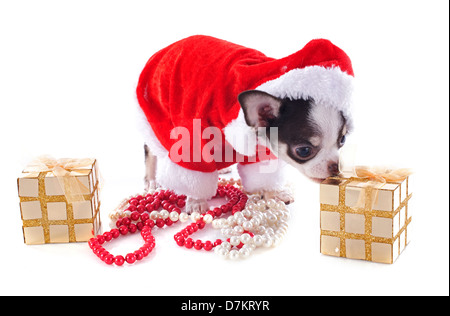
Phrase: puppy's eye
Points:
(304, 151)
(342, 141)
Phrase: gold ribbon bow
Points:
(381, 174)
(72, 187)
(376, 178)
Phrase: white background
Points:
(68, 72)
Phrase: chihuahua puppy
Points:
(266, 112)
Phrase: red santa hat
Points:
(200, 77)
(321, 71)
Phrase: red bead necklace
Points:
(141, 210)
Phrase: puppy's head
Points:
(309, 133)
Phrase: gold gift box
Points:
(364, 219)
(51, 211)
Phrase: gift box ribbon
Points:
(382, 174)
(373, 178)
(61, 168)
(376, 178)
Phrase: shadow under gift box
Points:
(49, 216)
(363, 219)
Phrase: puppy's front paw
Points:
(285, 196)
(225, 170)
(196, 205)
(150, 185)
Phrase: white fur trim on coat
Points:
(267, 175)
(149, 136)
(241, 136)
(195, 184)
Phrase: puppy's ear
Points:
(259, 107)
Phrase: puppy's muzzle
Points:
(333, 168)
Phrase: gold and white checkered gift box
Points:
(48, 215)
(363, 219)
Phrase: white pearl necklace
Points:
(266, 220)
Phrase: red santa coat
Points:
(200, 77)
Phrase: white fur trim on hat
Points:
(329, 86)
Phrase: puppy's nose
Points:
(333, 168)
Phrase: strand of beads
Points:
(139, 213)
(236, 202)
(260, 224)
(138, 204)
